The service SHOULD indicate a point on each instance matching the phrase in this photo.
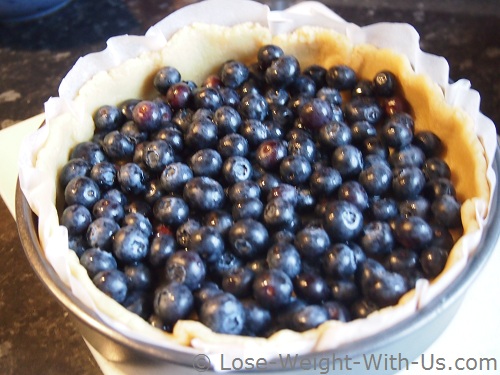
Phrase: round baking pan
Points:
(407, 339)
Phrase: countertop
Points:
(35, 55)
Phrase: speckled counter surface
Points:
(36, 334)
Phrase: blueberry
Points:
(429, 143)
(446, 211)
(396, 134)
(247, 238)
(345, 291)
(342, 220)
(95, 260)
(233, 73)
(303, 85)
(254, 131)
(442, 238)
(348, 160)
(401, 260)
(433, 259)
(153, 191)
(376, 179)
(268, 181)
(206, 97)
(272, 289)
(100, 233)
(83, 191)
(353, 192)
(223, 314)
(403, 118)
(311, 287)
(236, 169)
(312, 242)
(383, 209)
(203, 193)
(108, 208)
(276, 97)
(363, 109)
(185, 231)
(308, 317)
(334, 134)
(118, 146)
(91, 152)
(201, 134)
(374, 146)
(315, 113)
(341, 77)
(107, 118)
(369, 272)
(257, 318)
(147, 116)
(220, 220)
(207, 242)
(278, 212)
(363, 87)
(413, 232)
(175, 176)
(418, 206)
(157, 155)
(387, 289)
(281, 115)
(166, 77)
(267, 54)
(207, 291)
(361, 308)
(376, 238)
(76, 218)
(140, 221)
(438, 187)
(178, 95)
(172, 302)
(304, 147)
(384, 83)
(172, 136)
(295, 170)
(73, 168)
(227, 119)
(408, 182)
(77, 243)
(317, 73)
(206, 162)
(112, 283)
(131, 178)
(337, 311)
(324, 181)
(160, 249)
(285, 257)
(339, 261)
(139, 302)
(306, 200)
(409, 156)
(139, 277)
(247, 209)
(227, 263)
(238, 282)
(270, 153)
(244, 190)
(171, 210)
(185, 267)
(330, 94)
(233, 145)
(435, 168)
(130, 244)
(104, 174)
(282, 71)
(361, 130)
(138, 206)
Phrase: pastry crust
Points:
(199, 50)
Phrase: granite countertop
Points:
(36, 334)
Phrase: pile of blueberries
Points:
(268, 197)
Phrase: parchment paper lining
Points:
(37, 182)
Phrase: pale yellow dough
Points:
(199, 50)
